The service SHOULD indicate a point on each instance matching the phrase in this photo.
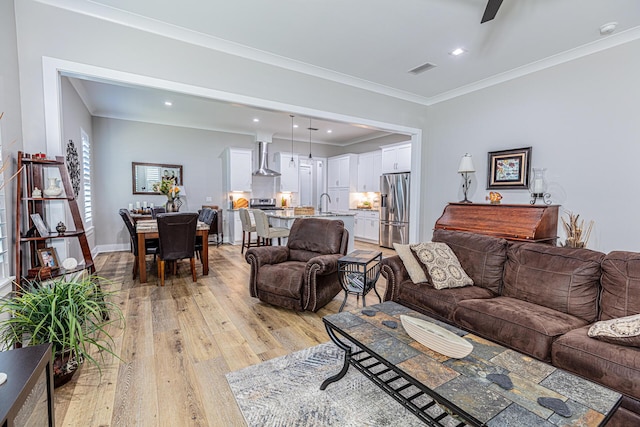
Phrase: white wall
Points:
(75, 116)
(11, 122)
(117, 143)
(46, 31)
(582, 119)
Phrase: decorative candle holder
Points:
(538, 187)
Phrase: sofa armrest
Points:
(395, 273)
(323, 264)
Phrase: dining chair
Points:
(208, 216)
(248, 227)
(157, 210)
(265, 232)
(177, 236)
(151, 245)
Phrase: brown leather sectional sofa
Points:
(540, 300)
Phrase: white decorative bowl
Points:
(436, 338)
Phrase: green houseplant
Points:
(75, 315)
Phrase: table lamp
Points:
(465, 168)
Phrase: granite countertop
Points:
(288, 214)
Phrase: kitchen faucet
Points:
(320, 204)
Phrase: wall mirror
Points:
(144, 175)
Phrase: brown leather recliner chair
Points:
(304, 274)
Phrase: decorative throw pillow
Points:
(623, 331)
(416, 273)
(443, 265)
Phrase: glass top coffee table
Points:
(444, 391)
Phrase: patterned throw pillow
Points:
(442, 264)
(623, 331)
(416, 273)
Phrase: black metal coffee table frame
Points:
(365, 360)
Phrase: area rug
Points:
(286, 392)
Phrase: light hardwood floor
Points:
(179, 342)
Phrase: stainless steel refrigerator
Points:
(394, 209)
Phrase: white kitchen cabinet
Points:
(236, 167)
(343, 171)
(369, 171)
(396, 158)
(234, 225)
(289, 178)
(339, 199)
(372, 226)
(367, 225)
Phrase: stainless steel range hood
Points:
(263, 162)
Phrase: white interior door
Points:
(306, 185)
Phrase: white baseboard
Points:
(112, 248)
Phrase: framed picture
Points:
(42, 228)
(48, 258)
(509, 169)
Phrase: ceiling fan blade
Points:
(491, 10)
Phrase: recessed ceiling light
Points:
(256, 120)
(295, 126)
(329, 131)
(457, 51)
(168, 103)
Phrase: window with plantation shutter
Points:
(4, 242)
(86, 178)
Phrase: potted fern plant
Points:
(75, 315)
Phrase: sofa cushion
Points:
(611, 365)
(623, 330)
(439, 303)
(444, 268)
(310, 237)
(284, 279)
(481, 257)
(411, 263)
(620, 285)
(563, 279)
(521, 325)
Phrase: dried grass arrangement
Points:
(577, 235)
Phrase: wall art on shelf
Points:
(42, 228)
(48, 258)
(509, 169)
(73, 165)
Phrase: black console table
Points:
(26, 398)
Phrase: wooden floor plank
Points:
(179, 342)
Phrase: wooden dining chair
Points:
(208, 216)
(177, 236)
(151, 245)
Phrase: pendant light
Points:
(292, 163)
(310, 129)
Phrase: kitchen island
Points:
(285, 218)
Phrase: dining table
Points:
(148, 229)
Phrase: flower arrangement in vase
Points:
(169, 188)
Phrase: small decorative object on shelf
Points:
(40, 156)
(577, 236)
(494, 197)
(538, 187)
(53, 190)
(61, 228)
(36, 193)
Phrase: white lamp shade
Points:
(466, 164)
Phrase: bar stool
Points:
(265, 232)
(248, 227)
